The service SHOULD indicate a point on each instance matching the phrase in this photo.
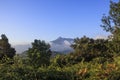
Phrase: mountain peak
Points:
(60, 37)
(62, 45)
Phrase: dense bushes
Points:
(93, 70)
(92, 62)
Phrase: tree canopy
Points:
(40, 53)
(112, 21)
(5, 47)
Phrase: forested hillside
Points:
(91, 59)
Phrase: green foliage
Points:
(112, 21)
(5, 48)
(89, 49)
(40, 53)
(81, 71)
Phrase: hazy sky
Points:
(25, 20)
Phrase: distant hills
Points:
(20, 48)
(60, 45)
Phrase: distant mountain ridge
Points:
(61, 45)
(20, 48)
(60, 40)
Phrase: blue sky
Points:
(25, 20)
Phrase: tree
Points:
(88, 48)
(40, 53)
(5, 48)
(111, 23)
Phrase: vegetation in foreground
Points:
(91, 60)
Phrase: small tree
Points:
(40, 53)
(5, 47)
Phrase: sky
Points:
(25, 20)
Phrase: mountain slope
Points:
(62, 45)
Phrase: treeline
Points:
(91, 60)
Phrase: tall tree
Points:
(111, 23)
(40, 53)
(5, 47)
